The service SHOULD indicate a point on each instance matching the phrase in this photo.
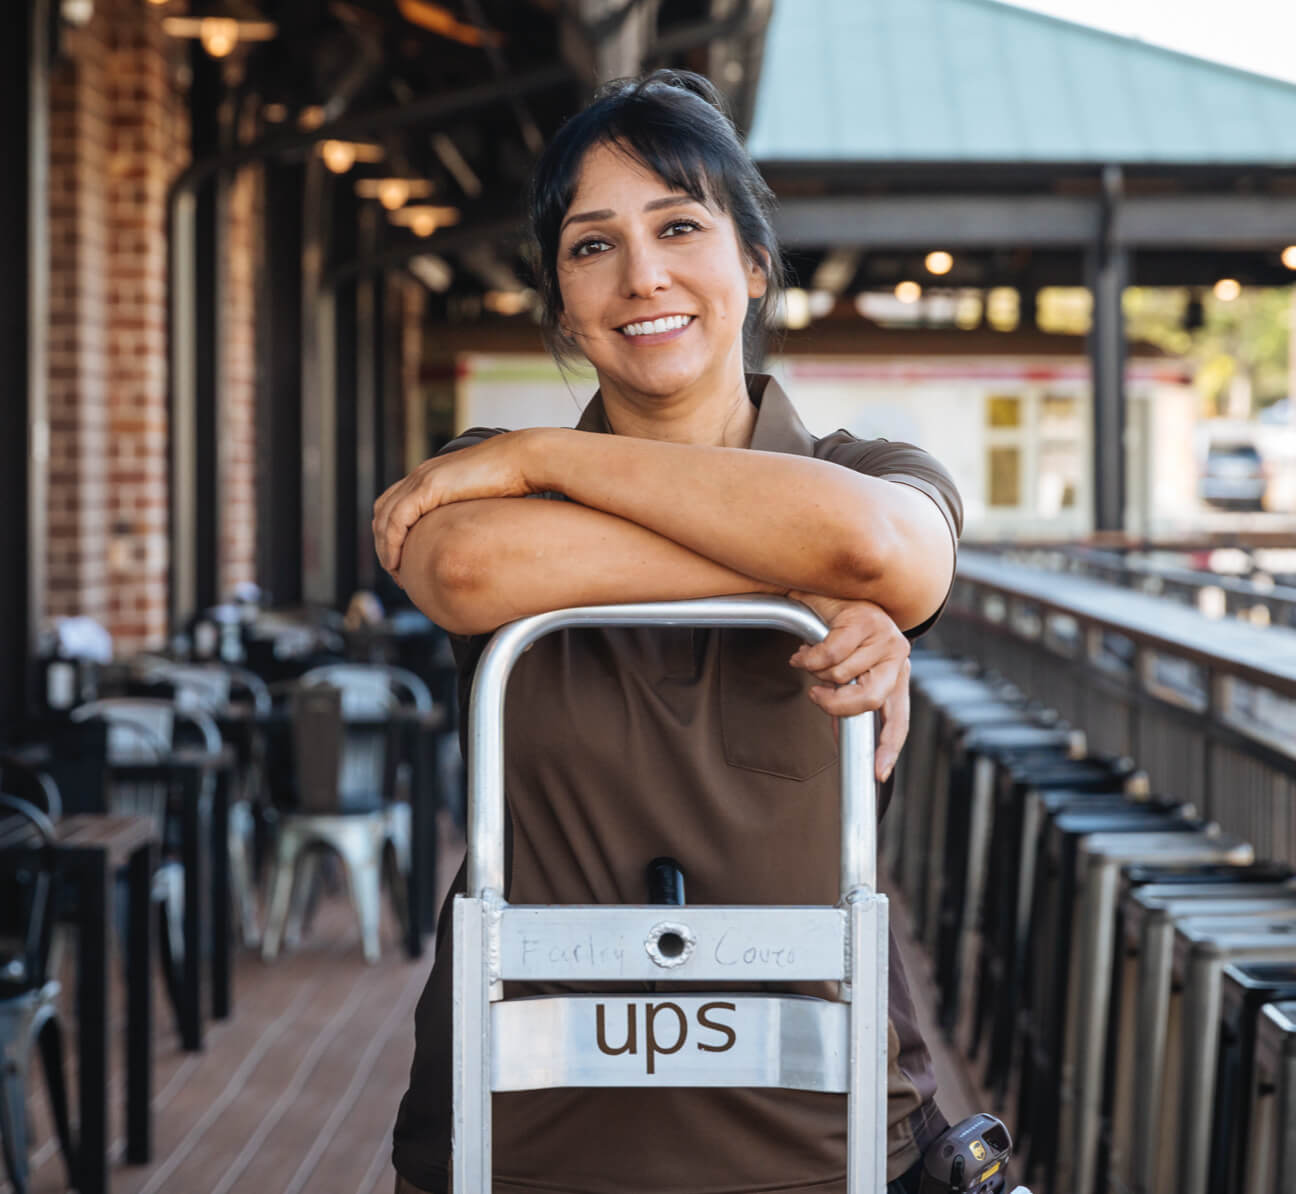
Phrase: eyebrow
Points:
(607, 213)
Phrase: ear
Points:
(758, 273)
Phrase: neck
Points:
(719, 416)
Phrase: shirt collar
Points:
(778, 426)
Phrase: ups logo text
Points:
(668, 1037)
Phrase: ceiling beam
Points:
(1010, 221)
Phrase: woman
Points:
(684, 478)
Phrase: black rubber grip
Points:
(665, 882)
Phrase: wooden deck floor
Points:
(298, 1091)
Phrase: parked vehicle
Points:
(1233, 476)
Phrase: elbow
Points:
(907, 575)
(867, 558)
(446, 572)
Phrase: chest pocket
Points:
(768, 722)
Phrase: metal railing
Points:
(1258, 598)
(1206, 707)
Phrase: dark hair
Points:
(676, 124)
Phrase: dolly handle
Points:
(486, 724)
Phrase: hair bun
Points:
(680, 80)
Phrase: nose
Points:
(644, 271)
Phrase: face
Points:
(632, 252)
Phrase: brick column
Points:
(238, 394)
(79, 530)
(149, 146)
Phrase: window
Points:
(1004, 477)
(1035, 444)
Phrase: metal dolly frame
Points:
(552, 1041)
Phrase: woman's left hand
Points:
(496, 467)
(864, 645)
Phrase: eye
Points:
(587, 247)
(672, 228)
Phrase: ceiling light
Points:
(220, 27)
(1227, 289)
(393, 193)
(275, 113)
(795, 308)
(908, 292)
(939, 262)
(310, 118)
(1289, 257)
(821, 303)
(508, 302)
(425, 219)
(1003, 308)
(340, 156)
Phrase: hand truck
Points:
(706, 1039)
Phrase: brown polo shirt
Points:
(626, 744)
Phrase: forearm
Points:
(473, 566)
(791, 521)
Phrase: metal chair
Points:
(373, 690)
(28, 997)
(143, 730)
(212, 688)
(341, 773)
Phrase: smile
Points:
(655, 327)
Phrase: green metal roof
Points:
(980, 81)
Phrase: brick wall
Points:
(118, 131)
(80, 149)
(150, 137)
(119, 134)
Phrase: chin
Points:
(662, 381)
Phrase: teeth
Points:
(653, 327)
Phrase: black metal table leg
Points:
(419, 862)
(88, 871)
(196, 891)
(139, 1007)
(220, 898)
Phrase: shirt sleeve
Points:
(469, 438)
(905, 464)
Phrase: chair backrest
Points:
(26, 894)
(198, 686)
(417, 693)
(366, 688)
(32, 784)
(140, 729)
(256, 689)
(317, 747)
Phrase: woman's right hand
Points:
(863, 644)
(500, 466)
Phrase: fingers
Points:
(868, 692)
(399, 508)
(895, 725)
(862, 659)
(834, 650)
